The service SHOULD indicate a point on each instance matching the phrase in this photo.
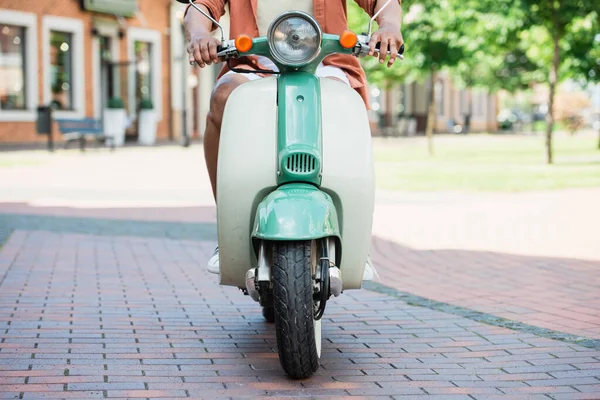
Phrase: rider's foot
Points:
(213, 263)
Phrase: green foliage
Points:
(582, 53)
(495, 57)
(115, 103)
(574, 25)
(358, 22)
(495, 44)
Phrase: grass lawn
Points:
(483, 162)
(7, 163)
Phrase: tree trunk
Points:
(553, 83)
(431, 112)
(469, 110)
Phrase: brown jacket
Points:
(332, 20)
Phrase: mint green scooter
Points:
(295, 189)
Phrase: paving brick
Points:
(591, 388)
(146, 393)
(169, 331)
(564, 381)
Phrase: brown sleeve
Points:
(215, 7)
(368, 5)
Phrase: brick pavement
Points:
(554, 293)
(85, 316)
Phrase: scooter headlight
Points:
(294, 39)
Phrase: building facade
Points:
(403, 110)
(76, 55)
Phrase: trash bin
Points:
(44, 124)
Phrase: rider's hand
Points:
(202, 49)
(387, 35)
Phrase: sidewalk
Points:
(88, 316)
(104, 292)
(528, 257)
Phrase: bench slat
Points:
(85, 125)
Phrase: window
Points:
(18, 66)
(61, 67)
(143, 71)
(401, 107)
(464, 102)
(439, 97)
(144, 79)
(12, 67)
(479, 98)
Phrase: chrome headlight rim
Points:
(289, 14)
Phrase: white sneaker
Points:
(213, 263)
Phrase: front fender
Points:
(296, 212)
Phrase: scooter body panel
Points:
(246, 174)
(296, 211)
(249, 167)
(348, 174)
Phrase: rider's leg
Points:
(224, 87)
(219, 97)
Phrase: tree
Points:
(583, 52)
(555, 19)
(494, 54)
(433, 42)
(385, 78)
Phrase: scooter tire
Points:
(294, 311)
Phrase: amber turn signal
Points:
(348, 39)
(243, 43)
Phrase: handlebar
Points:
(228, 50)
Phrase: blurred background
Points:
(471, 66)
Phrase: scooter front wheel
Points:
(296, 330)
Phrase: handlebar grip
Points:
(400, 51)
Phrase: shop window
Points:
(61, 70)
(143, 71)
(439, 97)
(12, 68)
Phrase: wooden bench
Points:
(79, 129)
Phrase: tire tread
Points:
(293, 302)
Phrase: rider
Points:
(253, 17)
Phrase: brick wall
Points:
(156, 16)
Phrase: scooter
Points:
(295, 183)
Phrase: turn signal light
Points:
(243, 43)
(348, 39)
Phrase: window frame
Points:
(75, 28)
(69, 41)
(28, 21)
(153, 37)
(112, 32)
